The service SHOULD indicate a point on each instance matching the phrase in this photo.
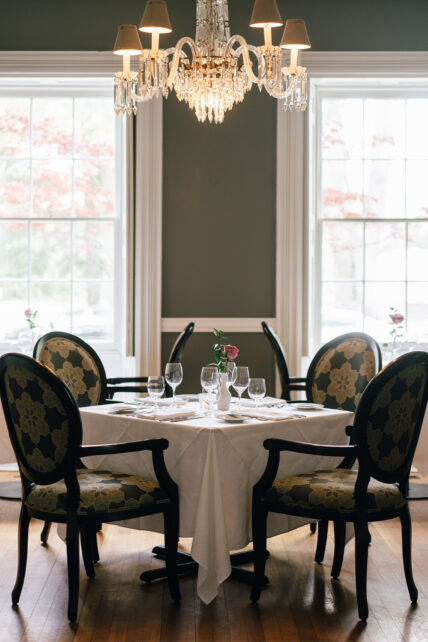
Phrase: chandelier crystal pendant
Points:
(213, 72)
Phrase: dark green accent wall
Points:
(219, 180)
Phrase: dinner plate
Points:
(233, 419)
(305, 405)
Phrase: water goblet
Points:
(156, 388)
(210, 380)
(241, 382)
(256, 390)
(174, 376)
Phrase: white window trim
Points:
(295, 234)
(89, 64)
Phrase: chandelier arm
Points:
(244, 47)
(176, 57)
(280, 95)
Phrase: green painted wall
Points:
(219, 181)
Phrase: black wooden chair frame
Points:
(366, 470)
(84, 524)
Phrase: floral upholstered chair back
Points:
(341, 370)
(42, 418)
(76, 363)
(389, 418)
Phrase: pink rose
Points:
(396, 318)
(28, 312)
(231, 352)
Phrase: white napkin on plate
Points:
(174, 414)
(161, 402)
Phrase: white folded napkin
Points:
(174, 414)
(267, 401)
(268, 415)
(161, 402)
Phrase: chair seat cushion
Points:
(101, 491)
(331, 490)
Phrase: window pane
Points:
(417, 189)
(417, 132)
(379, 298)
(342, 128)
(342, 251)
(52, 127)
(384, 121)
(14, 188)
(52, 183)
(94, 127)
(14, 249)
(342, 305)
(417, 312)
(14, 127)
(417, 252)
(342, 183)
(93, 306)
(385, 251)
(94, 188)
(14, 300)
(93, 245)
(52, 301)
(384, 189)
(50, 250)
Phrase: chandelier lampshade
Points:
(265, 14)
(295, 35)
(155, 17)
(127, 41)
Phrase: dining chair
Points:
(386, 429)
(45, 429)
(177, 350)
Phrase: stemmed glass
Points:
(174, 376)
(241, 382)
(156, 388)
(256, 390)
(230, 373)
(209, 381)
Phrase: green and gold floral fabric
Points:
(100, 491)
(393, 415)
(39, 419)
(342, 374)
(76, 367)
(331, 490)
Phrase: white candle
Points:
(155, 41)
(126, 63)
(293, 60)
(268, 36)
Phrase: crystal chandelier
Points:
(213, 72)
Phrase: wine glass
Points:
(156, 388)
(256, 390)
(173, 376)
(230, 373)
(209, 380)
(241, 382)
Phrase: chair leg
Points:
(171, 522)
(339, 547)
(322, 540)
(86, 537)
(313, 527)
(361, 555)
(406, 534)
(45, 532)
(24, 521)
(73, 567)
(259, 520)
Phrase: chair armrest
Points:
(111, 390)
(128, 380)
(309, 449)
(128, 447)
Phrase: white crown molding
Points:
(227, 324)
(85, 63)
(365, 63)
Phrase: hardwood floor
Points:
(302, 602)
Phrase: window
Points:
(370, 201)
(60, 208)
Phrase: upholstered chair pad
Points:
(331, 490)
(100, 491)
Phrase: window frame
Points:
(40, 86)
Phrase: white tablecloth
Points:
(215, 466)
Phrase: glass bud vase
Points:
(224, 397)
